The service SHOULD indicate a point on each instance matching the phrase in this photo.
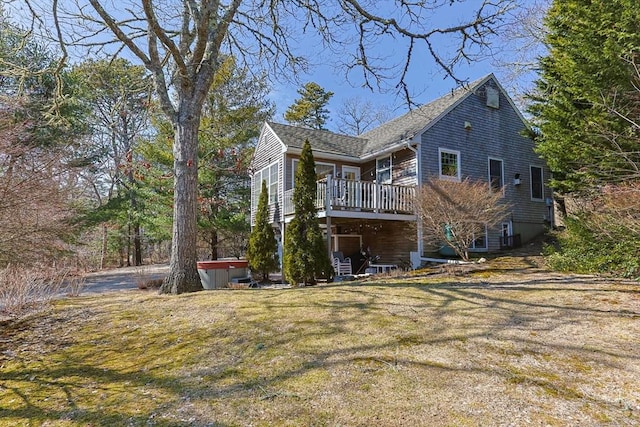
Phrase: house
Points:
(366, 183)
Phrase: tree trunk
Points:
(129, 242)
(137, 244)
(135, 222)
(103, 252)
(213, 244)
(183, 273)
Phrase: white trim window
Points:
(496, 174)
(322, 170)
(537, 183)
(449, 164)
(270, 175)
(480, 243)
(383, 170)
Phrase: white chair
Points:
(341, 265)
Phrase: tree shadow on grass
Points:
(314, 331)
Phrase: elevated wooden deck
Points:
(338, 197)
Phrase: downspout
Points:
(282, 221)
(418, 153)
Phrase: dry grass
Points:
(23, 289)
(502, 344)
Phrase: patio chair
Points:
(341, 265)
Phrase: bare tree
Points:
(522, 45)
(35, 198)
(358, 116)
(455, 213)
(182, 43)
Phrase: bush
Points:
(144, 280)
(581, 250)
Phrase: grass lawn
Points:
(507, 344)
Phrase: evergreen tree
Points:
(587, 111)
(262, 251)
(116, 95)
(589, 69)
(310, 109)
(232, 118)
(305, 253)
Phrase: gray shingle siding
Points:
(495, 133)
(268, 151)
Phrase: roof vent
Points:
(493, 97)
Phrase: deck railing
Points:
(344, 194)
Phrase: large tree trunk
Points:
(183, 274)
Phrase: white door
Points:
(507, 234)
(351, 186)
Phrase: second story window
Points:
(383, 170)
(496, 174)
(270, 175)
(322, 170)
(273, 183)
(537, 188)
(449, 164)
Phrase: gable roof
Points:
(418, 120)
(386, 136)
(320, 140)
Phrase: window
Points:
(496, 174)
(449, 164)
(480, 241)
(493, 97)
(272, 184)
(270, 175)
(383, 170)
(506, 230)
(537, 190)
(322, 170)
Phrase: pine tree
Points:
(305, 252)
(262, 251)
(310, 109)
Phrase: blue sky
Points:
(427, 87)
(426, 80)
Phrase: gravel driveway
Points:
(122, 279)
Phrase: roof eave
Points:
(391, 148)
(323, 155)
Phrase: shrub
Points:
(22, 288)
(582, 250)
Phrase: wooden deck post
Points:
(327, 207)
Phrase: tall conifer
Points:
(305, 253)
(262, 251)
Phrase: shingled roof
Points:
(383, 137)
(415, 121)
(320, 140)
